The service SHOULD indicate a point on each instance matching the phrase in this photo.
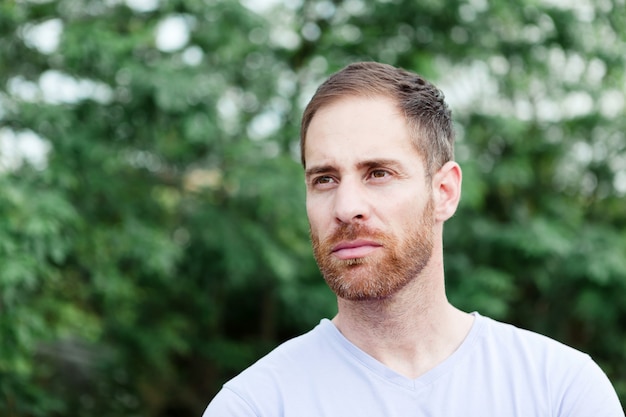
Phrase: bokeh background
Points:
(153, 237)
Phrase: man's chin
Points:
(355, 283)
(363, 296)
(354, 262)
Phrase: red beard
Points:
(384, 273)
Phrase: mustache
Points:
(353, 231)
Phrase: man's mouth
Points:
(355, 249)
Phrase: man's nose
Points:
(351, 203)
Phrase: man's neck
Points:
(411, 332)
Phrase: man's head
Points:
(420, 102)
(377, 150)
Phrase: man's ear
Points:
(447, 190)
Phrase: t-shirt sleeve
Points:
(590, 394)
(228, 404)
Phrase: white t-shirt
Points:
(498, 371)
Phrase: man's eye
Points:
(379, 173)
(323, 180)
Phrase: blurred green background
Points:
(153, 237)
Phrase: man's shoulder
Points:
(530, 351)
(273, 381)
(518, 338)
(291, 358)
(574, 382)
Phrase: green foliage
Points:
(162, 245)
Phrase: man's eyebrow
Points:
(378, 163)
(321, 169)
(369, 164)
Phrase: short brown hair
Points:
(422, 103)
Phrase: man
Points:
(377, 148)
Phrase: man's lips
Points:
(355, 249)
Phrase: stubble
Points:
(378, 276)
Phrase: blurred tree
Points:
(153, 239)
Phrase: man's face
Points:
(369, 205)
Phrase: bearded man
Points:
(377, 147)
